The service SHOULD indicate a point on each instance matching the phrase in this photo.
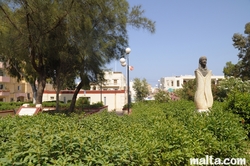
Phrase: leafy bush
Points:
(239, 103)
(10, 105)
(53, 104)
(126, 106)
(155, 134)
(231, 85)
(188, 90)
(96, 105)
(162, 96)
(82, 102)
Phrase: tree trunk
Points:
(34, 91)
(58, 88)
(40, 89)
(73, 101)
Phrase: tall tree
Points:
(33, 25)
(94, 31)
(102, 25)
(231, 70)
(242, 68)
(141, 89)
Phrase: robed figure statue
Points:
(203, 96)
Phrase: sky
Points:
(185, 31)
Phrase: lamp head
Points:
(128, 50)
(123, 64)
(122, 60)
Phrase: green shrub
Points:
(162, 96)
(82, 101)
(126, 106)
(96, 105)
(239, 103)
(53, 104)
(231, 85)
(155, 134)
(10, 105)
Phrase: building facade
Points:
(11, 90)
(112, 92)
(176, 82)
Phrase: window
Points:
(178, 83)
(1, 72)
(1, 86)
(18, 87)
(115, 82)
(104, 101)
(52, 98)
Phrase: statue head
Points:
(203, 61)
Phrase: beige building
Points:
(11, 90)
(112, 92)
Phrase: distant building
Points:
(11, 90)
(111, 92)
(176, 82)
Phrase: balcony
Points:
(20, 94)
(4, 92)
(4, 79)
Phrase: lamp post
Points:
(124, 63)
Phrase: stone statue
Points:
(203, 96)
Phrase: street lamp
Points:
(124, 63)
(158, 84)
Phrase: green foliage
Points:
(126, 106)
(235, 93)
(162, 96)
(188, 90)
(96, 105)
(10, 106)
(155, 134)
(239, 103)
(242, 43)
(53, 104)
(231, 70)
(66, 39)
(141, 89)
(231, 85)
(83, 102)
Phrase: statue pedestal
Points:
(203, 110)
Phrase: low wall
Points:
(7, 113)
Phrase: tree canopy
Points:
(242, 68)
(141, 89)
(59, 40)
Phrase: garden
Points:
(154, 134)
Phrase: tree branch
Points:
(1, 7)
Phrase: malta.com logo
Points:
(209, 160)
